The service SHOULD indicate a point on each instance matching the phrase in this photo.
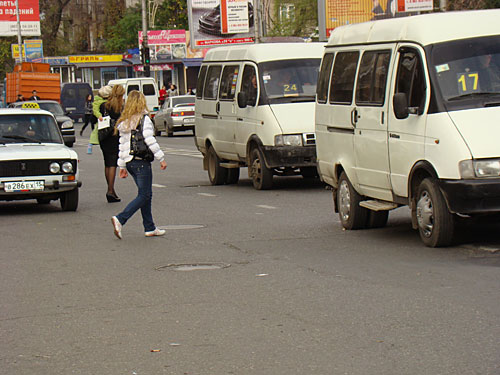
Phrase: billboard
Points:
(29, 16)
(220, 22)
(32, 50)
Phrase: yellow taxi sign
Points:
(30, 105)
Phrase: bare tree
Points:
(51, 16)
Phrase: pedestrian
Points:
(34, 96)
(172, 90)
(20, 98)
(87, 119)
(108, 139)
(134, 114)
(163, 94)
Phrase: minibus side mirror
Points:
(400, 104)
(242, 99)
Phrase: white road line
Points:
(207, 194)
(267, 207)
(182, 152)
(158, 185)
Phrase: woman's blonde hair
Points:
(134, 107)
(115, 101)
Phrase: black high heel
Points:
(112, 198)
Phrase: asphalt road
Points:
(284, 289)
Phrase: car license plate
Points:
(21, 186)
(188, 120)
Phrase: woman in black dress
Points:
(109, 146)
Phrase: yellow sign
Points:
(15, 51)
(30, 105)
(95, 59)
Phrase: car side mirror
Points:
(400, 104)
(242, 99)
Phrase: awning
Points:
(102, 64)
(189, 63)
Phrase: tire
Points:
(43, 200)
(351, 214)
(216, 174)
(69, 200)
(233, 175)
(309, 172)
(377, 219)
(435, 222)
(262, 177)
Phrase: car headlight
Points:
(54, 167)
(288, 140)
(479, 168)
(67, 167)
(67, 124)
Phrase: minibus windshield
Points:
(467, 70)
(289, 81)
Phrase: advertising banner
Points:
(29, 16)
(32, 50)
(94, 59)
(220, 22)
(415, 5)
(166, 44)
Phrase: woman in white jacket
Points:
(133, 112)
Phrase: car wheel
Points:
(43, 200)
(69, 200)
(233, 175)
(435, 222)
(216, 174)
(262, 177)
(377, 219)
(352, 215)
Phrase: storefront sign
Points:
(94, 59)
(209, 27)
(56, 60)
(29, 16)
(140, 68)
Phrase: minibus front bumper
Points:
(289, 156)
(472, 196)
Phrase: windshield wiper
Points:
(473, 94)
(22, 138)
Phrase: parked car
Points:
(65, 123)
(210, 23)
(73, 97)
(176, 114)
(45, 170)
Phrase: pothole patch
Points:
(186, 267)
(182, 226)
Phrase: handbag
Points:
(106, 127)
(138, 148)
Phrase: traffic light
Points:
(146, 55)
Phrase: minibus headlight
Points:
(288, 140)
(479, 168)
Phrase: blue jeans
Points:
(141, 171)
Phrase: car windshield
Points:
(467, 70)
(54, 108)
(290, 80)
(180, 101)
(29, 128)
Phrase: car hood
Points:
(24, 151)
(294, 117)
(62, 118)
(480, 129)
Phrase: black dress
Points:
(109, 146)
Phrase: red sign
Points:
(157, 37)
(28, 11)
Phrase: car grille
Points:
(19, 168)
(309, 139)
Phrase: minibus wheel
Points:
(435, 222)
(352, 215)
(262, 177)
(216, 174)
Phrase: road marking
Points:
(182, 152)
(267, 207)
(207, 194)
(158, 185)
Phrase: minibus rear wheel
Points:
(352, 215)
(216, 174)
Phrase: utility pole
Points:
(442, 5)
(145, 47)
(19, 39)
(256, 20)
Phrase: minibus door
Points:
(406, 134)
(226, 108)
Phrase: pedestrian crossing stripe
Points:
(182, 152)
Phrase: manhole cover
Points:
(194, 266)
(182, 226)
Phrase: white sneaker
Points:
(117, 227)
(156, 232)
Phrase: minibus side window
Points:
(200, 82)
(344, 73)
(148, 90)
(228, 82)
(411, 78)
(372, 78)
(249, 85)
(324, 78)
(212, 84)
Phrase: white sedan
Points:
(176, 114)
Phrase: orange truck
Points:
(27, 77)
